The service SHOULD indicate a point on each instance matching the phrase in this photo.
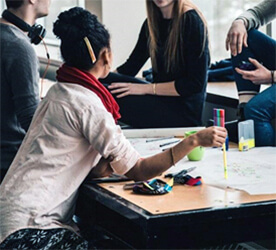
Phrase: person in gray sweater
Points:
(253, 18)
(253, 59)
(19, 73)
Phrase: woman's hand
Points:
(211, 137)
(236, 37)
(125, 89)
(260, 75)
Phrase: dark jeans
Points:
(151, 111)
(260, 108)
(260, 47)
(221, 71)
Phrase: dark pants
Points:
(261, 108)
(151, 111)
(260, 47)
(7, 155)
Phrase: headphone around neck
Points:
(36, 32)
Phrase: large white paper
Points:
(253, 171)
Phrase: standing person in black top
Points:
(174, 37)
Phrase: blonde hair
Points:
(173, 51)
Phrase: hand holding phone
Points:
(247, 66)
(254, 71)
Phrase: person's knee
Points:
(253, 36)
(254, 110)
(251, 110)
(248, 110)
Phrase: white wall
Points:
(123, 19)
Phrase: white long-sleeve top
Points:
(70, 132)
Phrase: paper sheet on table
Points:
(253, 171)
(158, 132)
(153, 147)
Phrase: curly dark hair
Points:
(71, 27)
(15, 4)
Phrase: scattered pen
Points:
(131, 185)
(168, 143)
(160, 139)
(183, 172)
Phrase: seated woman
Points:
(249, 45)
(174, 37)
(73, 135)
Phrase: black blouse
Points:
(190, 76)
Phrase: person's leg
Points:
(128, 104)
(116, 77)
(261, 109)
(260, 47)
(7, 156)
(150, 111)
(263, 47)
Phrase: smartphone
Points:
(246, 66)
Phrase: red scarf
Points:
(73, 75)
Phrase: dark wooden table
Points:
(188, 217)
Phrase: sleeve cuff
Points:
(123, 164)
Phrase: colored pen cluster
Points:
(218, 115)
